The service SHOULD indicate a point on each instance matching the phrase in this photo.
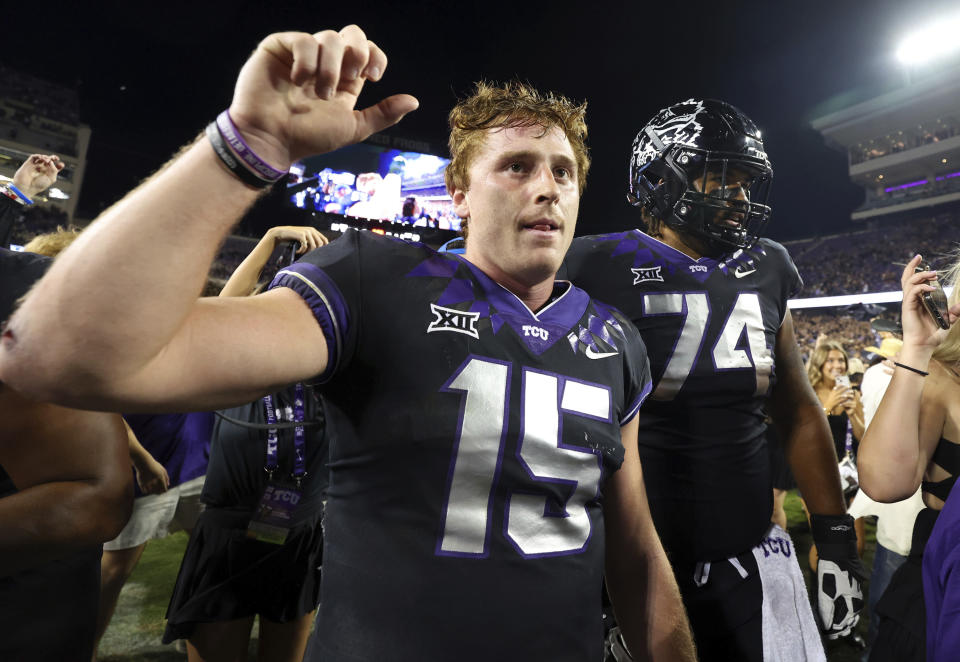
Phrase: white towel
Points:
(785, 603)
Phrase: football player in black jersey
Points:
(709, 297)
(483, 463)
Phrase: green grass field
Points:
(136, 629)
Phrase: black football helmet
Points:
(701, 168)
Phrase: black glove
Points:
(840, 574)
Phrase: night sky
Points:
(150, 76)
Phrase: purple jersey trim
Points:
(635, 406)
(565, 311)
(327, 304)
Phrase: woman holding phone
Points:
(827, 372)
(914, 440)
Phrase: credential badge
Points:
(458, 321)
(643, 275)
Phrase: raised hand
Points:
(919, 329)
(297, 94)
(37, 174)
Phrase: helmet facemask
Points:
(700, 168)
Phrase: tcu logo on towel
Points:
(536, 332)
(643, 275)
(458, 321)
(775, 546)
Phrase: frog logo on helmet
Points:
(700, 166)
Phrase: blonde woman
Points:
(827, 372)
(914, 441)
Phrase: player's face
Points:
(734, 187)
(835, 365)
(522, 204)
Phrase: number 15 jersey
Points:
(470, 439)
(710, 328)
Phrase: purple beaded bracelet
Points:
(238, 146)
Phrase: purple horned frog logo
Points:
(776, 545)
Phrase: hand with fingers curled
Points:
(307, 237)
(38, 173)
(920, 330)
(840, 575)
(851, 400)
(297, 94)
(838, 396)
(151, 476)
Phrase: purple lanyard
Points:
(299, 442)
(849, 441)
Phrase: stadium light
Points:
(935, 41)
(850, 299)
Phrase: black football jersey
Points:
(469, 443)
(710, 329)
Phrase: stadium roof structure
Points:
(903, 145)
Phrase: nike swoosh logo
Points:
(597, 355)
(741, 274)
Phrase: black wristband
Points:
(836, 541)
(230, 160)
(906, 367)
(828, 529)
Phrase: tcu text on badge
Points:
(280, 495)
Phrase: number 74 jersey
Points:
(710, 328)
(471, 441)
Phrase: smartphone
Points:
(288, 254)
(843, 381)
(935, 302)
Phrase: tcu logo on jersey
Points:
(536, 332)
(697, 267)
(458, 321)
(643, 275)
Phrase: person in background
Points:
(169, 453)
(65, 488)
(894, 520)
(168, 467)
(709, 297)
(52, 244)
(912, 442)
(827, 370)
(33, 177)
(231, 564)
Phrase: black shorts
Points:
(50, 612)
(727, 605)
(226, 575)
